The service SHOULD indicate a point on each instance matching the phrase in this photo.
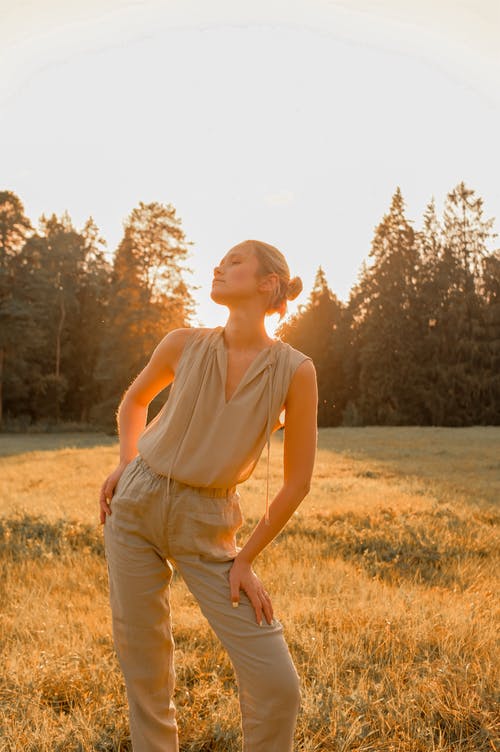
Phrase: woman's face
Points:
(235, 278)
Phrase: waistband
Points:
(178, 485)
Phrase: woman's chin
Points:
(218, 297)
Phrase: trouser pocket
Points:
(204, 526)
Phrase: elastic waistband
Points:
(177, 485)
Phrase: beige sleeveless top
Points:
(198, 437)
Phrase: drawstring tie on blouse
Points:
(268, 436)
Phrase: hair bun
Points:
(294, 288)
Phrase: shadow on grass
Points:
(33, 537)
(12, 444)
(425, 547)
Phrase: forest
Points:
(416, 343)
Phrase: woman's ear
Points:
(270, 282)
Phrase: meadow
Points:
(385, 578)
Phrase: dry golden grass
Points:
(386, 580)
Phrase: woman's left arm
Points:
(299, 453)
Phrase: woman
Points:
(172, 501)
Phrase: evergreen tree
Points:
(317, 331)
(14, 313)
(61, 277)
(63, 266)
(463, 346)
(489, 399)
(87, 326)
(148, 298)
(387, 331)
(429, 399)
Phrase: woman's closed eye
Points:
(230, 264)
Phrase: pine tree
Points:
(148, 298)
(463, 349)
(490, 395)
(428, 397)
(316, 330)
(382, 305)
(61, 277)
(14, 313)
(87, 326)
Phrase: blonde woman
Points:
(172, 501)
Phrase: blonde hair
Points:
(272, 261)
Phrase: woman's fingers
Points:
(105, 510)
(105, 501)
(235, 593)
(241, 578)
(261, 604)
(268, 607)
(257, 604)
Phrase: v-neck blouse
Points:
(200, 439)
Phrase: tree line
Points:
(75, 328)
(417, 342)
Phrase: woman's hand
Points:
(108, 489)
(242, 576)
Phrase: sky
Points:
(289, 121)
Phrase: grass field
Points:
(386, 580)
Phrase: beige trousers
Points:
(195, 532)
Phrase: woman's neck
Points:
(242, 338)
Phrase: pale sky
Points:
(290, 121)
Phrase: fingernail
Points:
(260, 623)
(235, 604)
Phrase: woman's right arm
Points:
(132, 412)
(133, 409)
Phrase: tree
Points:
(87, 326)
(460, 328)
(61, 279)
(148, 297)
(317, 331)
(490, 396)
(14, 229)
(421, 335)
(386, 331)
